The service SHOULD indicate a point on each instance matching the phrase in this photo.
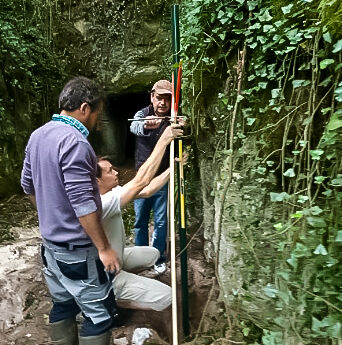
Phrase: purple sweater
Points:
(60, 170)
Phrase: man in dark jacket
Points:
(147, 134)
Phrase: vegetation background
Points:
(263, 91)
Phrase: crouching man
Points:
(131, 290)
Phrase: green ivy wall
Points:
(263, 91)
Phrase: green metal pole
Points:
(182, 229)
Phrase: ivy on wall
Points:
(30, 76)
(263, 90)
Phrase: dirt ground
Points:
(25, 301)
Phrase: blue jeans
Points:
(142, 207)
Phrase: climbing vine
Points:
(274, 139)
(29, 75)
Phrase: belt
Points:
(71, 246)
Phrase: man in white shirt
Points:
(131, 290)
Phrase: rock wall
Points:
(123, 44)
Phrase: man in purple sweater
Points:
(59, 175)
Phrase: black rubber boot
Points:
(64, 332)
(101, 339)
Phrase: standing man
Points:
(59, 175)
(147, 134)
(131, 290)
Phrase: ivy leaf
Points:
(304, 66)
(292, 261)
(335, 122)
(297, 215)
(267, 28)
(316, 154)
(334, 331)
(337, 182)
(220, 14)
(262, 39)
(252, 5)
(278, 226)
(328, 192)
(261, 170)
(275, 93)
(289, 173)
(290, 48)
(317, 325)
(325, 82)
(302, 199)
(222, 36)
(319, 179)
(279, 23)
(316, 210)
(337, 46)
(330, 262)
(255, 26)
(327, 37)
(339, 236)
(326, 62)
(300, 82)
(284, 274)
(239, 98)
(338, 66)
(316, 222)
(301, 251)
(325, 110)
(266, 17)
(270, 291)
(320, 250)
(250, 121)
(338, 94)
(287, 9)
(246, 331)
(277, 197)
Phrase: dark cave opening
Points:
(114, 139)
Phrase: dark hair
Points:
(98, 168)
(98, 171)
(80, 90)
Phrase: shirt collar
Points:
(69, 120)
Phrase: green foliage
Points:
(29, 73)
(280, 131)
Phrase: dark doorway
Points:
(114, 138)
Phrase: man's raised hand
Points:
(172, 132)
(152, 122)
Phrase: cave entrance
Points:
(114, 138)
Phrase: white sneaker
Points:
(160, 268)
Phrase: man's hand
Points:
(184, 158)
(110, 260)
(172, 132)
(152, 122)
(181, 120)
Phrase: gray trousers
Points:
(79, 275)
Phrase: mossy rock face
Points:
(125, 45)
